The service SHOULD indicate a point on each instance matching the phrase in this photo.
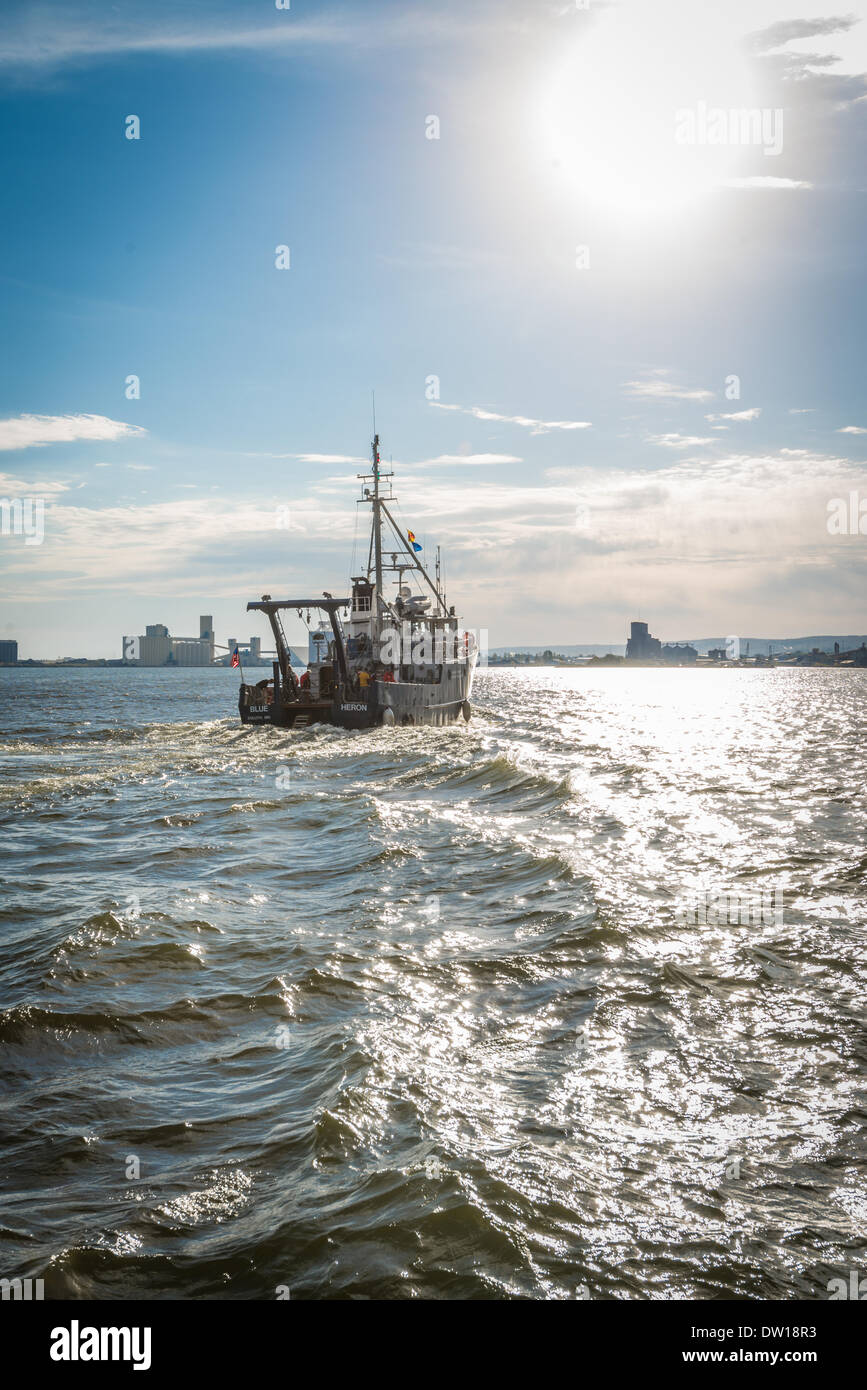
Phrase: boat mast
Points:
(377, 525)
(374, 554)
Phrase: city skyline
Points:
(616, 363)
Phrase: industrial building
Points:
(249, 654)
(158, 648)
(679, 653)
(8, 653)
(642, 647)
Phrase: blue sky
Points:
(583, 464)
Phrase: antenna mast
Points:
(377, 523)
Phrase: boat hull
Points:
(397, 703)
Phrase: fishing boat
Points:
(375, 657)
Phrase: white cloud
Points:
(790, 29)
(310, 458)
(35, 431)
(458, 460)
(48, 38)
(322, 458)
(656, 387)
(700, 537)
(526, 421)
(852, 429)
(759, 181)
(18, 487)
(678, 441)
(58, 42)
(739, 415)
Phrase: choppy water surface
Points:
(424, 1012)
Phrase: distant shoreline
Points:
(822, 661)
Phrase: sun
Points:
(608, 109)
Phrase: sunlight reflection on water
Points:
(520, 1054)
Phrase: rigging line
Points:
(370, 553)
(354, 570)
(401, 540)
(403, 535)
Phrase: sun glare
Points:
(611, 128)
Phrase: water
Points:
(428, 1012)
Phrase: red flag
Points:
(236, 657)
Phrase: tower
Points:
(206, 633)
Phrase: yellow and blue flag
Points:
(413, 542)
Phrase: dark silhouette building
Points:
(641, 645)
(679, 653)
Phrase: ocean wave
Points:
(423, 1012)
